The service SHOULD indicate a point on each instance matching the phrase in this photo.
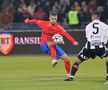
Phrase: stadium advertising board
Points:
(18, 43)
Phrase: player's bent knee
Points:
(65, 58)
(76, 65)
(50, 44)
(79, 61)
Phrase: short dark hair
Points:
(53, 13)
(95, 13)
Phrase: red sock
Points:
(53, 52)
(67, 66)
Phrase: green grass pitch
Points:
(36, 73)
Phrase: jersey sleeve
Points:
(106, 30)
(106, 34)
(39, 23)
(64, 33)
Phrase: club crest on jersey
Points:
(6, 43)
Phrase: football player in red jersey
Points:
(49, 28)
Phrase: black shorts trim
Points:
(85, 54)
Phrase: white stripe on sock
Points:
(72, 76)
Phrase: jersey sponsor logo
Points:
(6, 43)
(95, 37)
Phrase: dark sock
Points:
(74, 69)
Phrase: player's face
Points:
(94, 17)
(53, 19)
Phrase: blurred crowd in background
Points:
(72, 13)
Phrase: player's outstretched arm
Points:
(70, 38)
(30, 21)
(39, 23)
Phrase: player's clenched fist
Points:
(26, 20)
(75, 43)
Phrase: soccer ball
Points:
(58, 39)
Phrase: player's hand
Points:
(26, 20)
(75, 43)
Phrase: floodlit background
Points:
(14, 12)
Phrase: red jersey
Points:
(48, 31)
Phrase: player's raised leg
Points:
(49, 48)
(52, 47)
